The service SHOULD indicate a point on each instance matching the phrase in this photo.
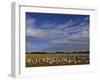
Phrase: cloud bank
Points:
(49, 36)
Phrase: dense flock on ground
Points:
(33, 60)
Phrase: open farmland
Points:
(55, 59)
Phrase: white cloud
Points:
(60, 31)
(31, 47)
(30, 22)
(60, 35)
(32, 32)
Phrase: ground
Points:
(50, 59)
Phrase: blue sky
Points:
(46, 32)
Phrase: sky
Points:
(48, 32)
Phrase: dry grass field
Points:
(50, 59)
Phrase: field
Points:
(56, 59)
